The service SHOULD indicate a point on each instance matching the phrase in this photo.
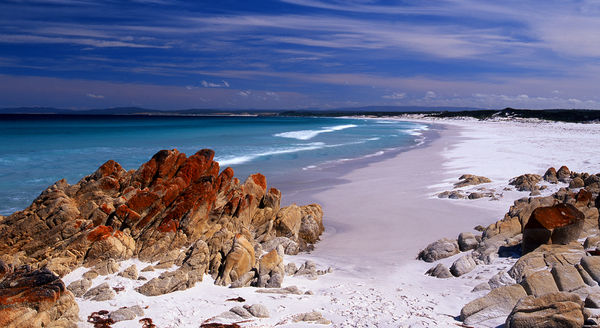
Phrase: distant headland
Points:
(560, 115)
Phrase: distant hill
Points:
(563, 115)
(207, 111)
(132, 111)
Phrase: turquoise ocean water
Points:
(36, 151)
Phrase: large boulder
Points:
(467, 241)
(494, 306)
(561, 310)
(463, 265)
(439, 249)
(35, 298)
(558, 224)
(563, 174)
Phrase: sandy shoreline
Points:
(384, 213)
(378, 215)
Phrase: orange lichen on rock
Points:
(109, 168)
(142, 200)
(105, 208)
(168, 226)
(260, 180)
(126, 213)
(583, 197)
(171, 202)
(100, 233)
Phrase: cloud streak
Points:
(333, 52)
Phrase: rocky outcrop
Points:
(563, 310)
(526, 182)
(558, 224)
(168, 204)
(544, 234)
(35, 298)
(470, 180)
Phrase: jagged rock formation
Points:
(34, 298)
(174, 209)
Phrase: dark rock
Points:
(526, 182)
(439, 271)
(576, 183)
(563, 174)
(467, 241)
(558, 224)
(593, 301)
(550, 175)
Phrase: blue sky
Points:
(283, 54)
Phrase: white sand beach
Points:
(376, 223)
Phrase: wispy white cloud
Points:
(98, 43)
(395, 96)
(95, 96)
(222, 84)
(430, 95)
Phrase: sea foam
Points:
(309, 134)
(233, 160)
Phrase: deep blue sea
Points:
(36, 151)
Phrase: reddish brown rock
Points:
(169, 203)
(558, 224)
(35, 298)
(583, 198)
